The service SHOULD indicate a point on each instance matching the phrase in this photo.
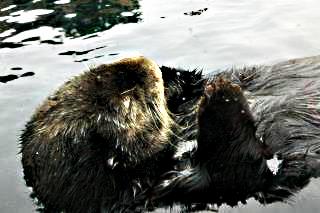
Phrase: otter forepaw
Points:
(223, 116)
(221, 91)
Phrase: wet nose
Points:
(135, 71)
(126, 80)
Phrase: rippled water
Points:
(45, 42)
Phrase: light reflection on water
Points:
(228, 33)
(73, 18)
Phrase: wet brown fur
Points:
(100, 139)
(240, 119)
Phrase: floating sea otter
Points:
(102, 138)
(107, 140)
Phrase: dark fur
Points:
(68, 144)
(235, 140)
(229, 165)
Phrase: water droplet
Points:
(70, 15)
(110, 161)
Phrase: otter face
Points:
(124, 99)
(124, 92)
(125, 88)
(123, 103)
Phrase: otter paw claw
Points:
(222, 90)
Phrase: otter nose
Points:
(135, 71)
(127, 80)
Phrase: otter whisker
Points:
(129, 90)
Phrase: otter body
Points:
(107, 140)
(101, 139)
(258, 136)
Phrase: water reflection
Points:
(230, 33)
(6, 78)
(11, 77)
(196, 12)
(71, 18)
(73, 52)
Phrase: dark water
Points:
(45, 42)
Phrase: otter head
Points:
(125, 91)
(124, 102)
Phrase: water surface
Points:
(45, 42)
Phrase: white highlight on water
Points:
(62, 2)
(22, 16)
(7, 33)
(8, 8)
(71, 15)
(127, 14)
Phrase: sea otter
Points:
(256, 130)
(104, 136)
(258, 136)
